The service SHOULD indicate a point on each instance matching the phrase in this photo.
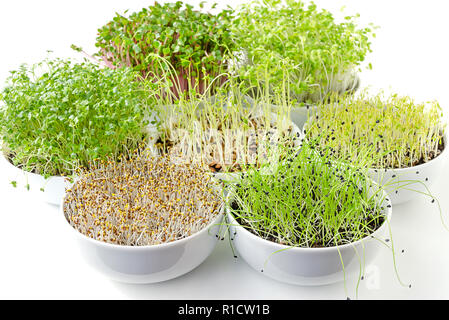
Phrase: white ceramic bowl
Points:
(404, 184)
(306, 266)
(148, 264)
(340, 83)
(53, 187)
(300, 115)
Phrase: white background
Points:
(39, 259)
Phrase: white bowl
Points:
(404, 184)
(340, 83)
(307, 266)
(300, 115)
(148, 264)
(52, 188)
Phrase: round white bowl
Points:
(148, 264)
(300, 115)
(404, 184)
(52, 188)
(347, 81)
(307, 266)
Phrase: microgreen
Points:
(224, 132)
(402, 132)
(309, 201)
(58, 115)
(194, 43)
(142, 200)
(301, 45)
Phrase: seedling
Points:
(142, 200)
(309, 201)
(224, 133)
(301, 46)
(58, 115)
(193, 42)
(402, 132)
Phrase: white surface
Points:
(40, 260)
(52, 189)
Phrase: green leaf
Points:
(166, 51)
(136, 48)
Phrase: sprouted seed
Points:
(309, 201)
(222, 133)
(403, 133)
(194, 43)
(56, 115)
(142, 200)
(299, 50)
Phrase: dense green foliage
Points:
(309, 201)
(192, 42)
(58, 115)
(298, 50)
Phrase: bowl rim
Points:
(4, 159)
(386, 222)
(215, 221)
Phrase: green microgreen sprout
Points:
(194, 42)
(399, 132)
(312, 200)
(57, 115)
(403, 132)
(303, 45)
(224, 132)
(142, 200)
(309, 201)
